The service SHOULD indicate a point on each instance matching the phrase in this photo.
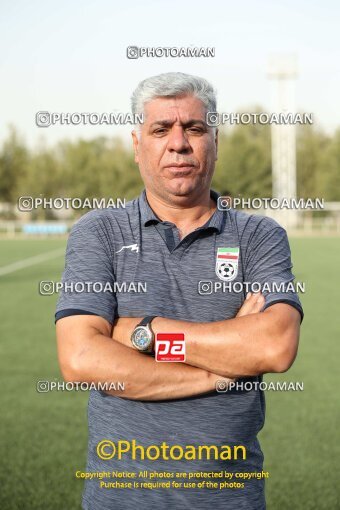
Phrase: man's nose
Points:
(178, 140)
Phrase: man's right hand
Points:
(252, 304)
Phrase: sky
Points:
(71, 56)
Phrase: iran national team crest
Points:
(227, 263)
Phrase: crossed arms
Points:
(252, 343)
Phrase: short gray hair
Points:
(173, 85)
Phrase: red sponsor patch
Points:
(170, 347)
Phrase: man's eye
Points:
(160, 131)
(195, 130)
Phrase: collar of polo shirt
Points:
(148, 216)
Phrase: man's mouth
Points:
(181, 168)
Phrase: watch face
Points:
(141, 338)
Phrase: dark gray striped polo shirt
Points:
(185, 280)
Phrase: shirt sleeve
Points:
(88, 278)
(268, 262)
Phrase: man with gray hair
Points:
(171, 437)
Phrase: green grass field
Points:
(44, 435)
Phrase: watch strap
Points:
(146, 320)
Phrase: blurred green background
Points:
(104, 167)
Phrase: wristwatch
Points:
(143, 338)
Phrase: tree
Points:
(311, 144)
(244, 163)
(14, 162)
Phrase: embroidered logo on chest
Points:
(227, 263)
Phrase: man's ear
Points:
(216, 144)
(135, 142)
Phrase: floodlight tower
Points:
(282, 70)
